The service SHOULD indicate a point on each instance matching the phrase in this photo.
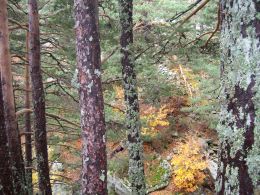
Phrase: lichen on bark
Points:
(135, 147)
(94, 170)
(239, 118)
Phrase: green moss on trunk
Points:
(135, 147)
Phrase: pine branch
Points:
(176, 16)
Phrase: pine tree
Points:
(135, 148)
(38, 100)
(239, 128)
(94, 179)
(6, 182)
(13, 136)
(27, 119)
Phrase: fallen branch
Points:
(185, 81)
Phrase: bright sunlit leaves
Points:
(188, 165)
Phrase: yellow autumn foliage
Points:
(159, 118)
(188, 166)
(119, 91)
(152, 119)
(155, 119)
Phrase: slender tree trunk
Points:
(27, 118)
(94, 172)
(6, 182)
(38, 100)
(9, 107)
(135, 147)
(239, 127)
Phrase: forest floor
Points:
(162, 147)
(169, 127)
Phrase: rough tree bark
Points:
(38, 100)
(6, 181)
(135, 147)
(27, 118)
(94, 171)
(239, 127)
(13, 137)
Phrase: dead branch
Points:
(215, 30)
(21, 112)
(184, 12)
(105, 59)
(198, 38)
(194, 12)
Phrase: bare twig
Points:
(20, 112)
(105, 59)
(198, 38)
(215, 30)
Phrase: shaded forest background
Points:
(176, 55)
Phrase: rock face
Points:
(213, 166)
(117, 185)
(61, 188)
(120, 187)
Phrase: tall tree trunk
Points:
(94, 172)
(38, 100)
(239, 127)
(135, 147)
(27, 118)
(9, 107)
(6, 182)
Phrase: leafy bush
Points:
(154, 119)
(188, 165)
